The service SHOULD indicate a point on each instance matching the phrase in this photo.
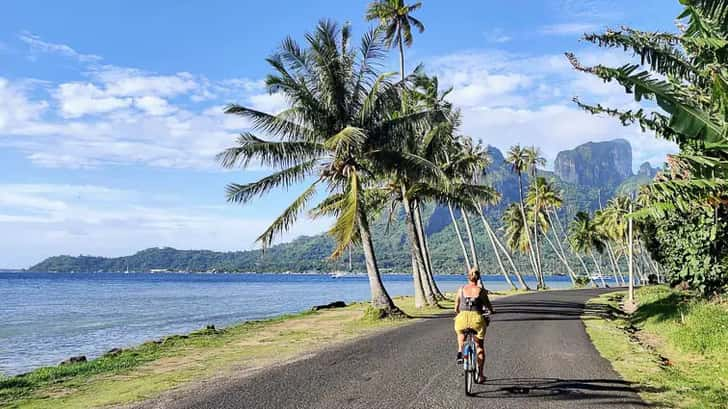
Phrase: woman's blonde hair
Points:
(473, 275)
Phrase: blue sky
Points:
(110, 112)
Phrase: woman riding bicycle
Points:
(470, 304)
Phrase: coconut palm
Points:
(335, 134)
(533, 160)
(396, 20)
(519, 161)
(612, 221)
(463, 160)
(542, 196)
(585, 238)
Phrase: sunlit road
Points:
(539, 356)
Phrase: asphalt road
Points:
(538, 356)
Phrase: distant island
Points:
(588, 176)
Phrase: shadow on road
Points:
(552, 310)
(607, 390)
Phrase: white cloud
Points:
(271, 103)
(154, 105)
(16, 109)
(79, 99)
(509, 98)
(120, 81)
(43, 220)
(569, 28)
(39, 45)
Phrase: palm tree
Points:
(563, 234)
(519, 160)
(560, 252)
(396, 20)
(336, 133)
(541, 198)
(533, 161)
(612, 221)
(497, 248)
(585, 238)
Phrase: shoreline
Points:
(147, 370)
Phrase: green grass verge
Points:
(674, 348)
(145, 371)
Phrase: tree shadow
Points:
(554, 311)
(606, 390)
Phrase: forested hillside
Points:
(586, 165)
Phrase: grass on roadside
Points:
(146, 370)
(674, 347)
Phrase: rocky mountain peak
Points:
(604, 164)
(647, 170)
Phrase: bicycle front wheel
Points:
(471, 369)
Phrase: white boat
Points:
(338, 274)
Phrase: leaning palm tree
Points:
(519, 161)
(335, 133)
(396, 20)
(541, 197)
(533, 161)
(585, 238)
(612, 222)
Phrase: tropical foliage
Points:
(336, 134)
(683, 78)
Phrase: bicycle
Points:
(470, 357)
(470, 361)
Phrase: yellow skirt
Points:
(470, 320)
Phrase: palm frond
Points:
(284, 222)
(344, 230)
(242, 193)
(272, 154)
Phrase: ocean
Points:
(48, 317)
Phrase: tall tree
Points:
(586, 238)
(518, 159)
(542, 197)
(335, 133)
(395, 18)
(533, 161)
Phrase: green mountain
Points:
(588, 175)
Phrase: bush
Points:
(692, 248)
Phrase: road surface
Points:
(538, 356)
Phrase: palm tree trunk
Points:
(528, 234)
(571, 248)
(426, 250)
(379, 297)
(401, 57)
(537, 249)
(460, 237)
(599, 270)
(572, 275)
(422, 295)
(424, 272)
(500, 245)
(471, 239)
(615, 267)
(497, 252)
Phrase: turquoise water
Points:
(48, 317)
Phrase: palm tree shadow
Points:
(604, 390)
(554, 310)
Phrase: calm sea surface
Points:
(48, 317)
